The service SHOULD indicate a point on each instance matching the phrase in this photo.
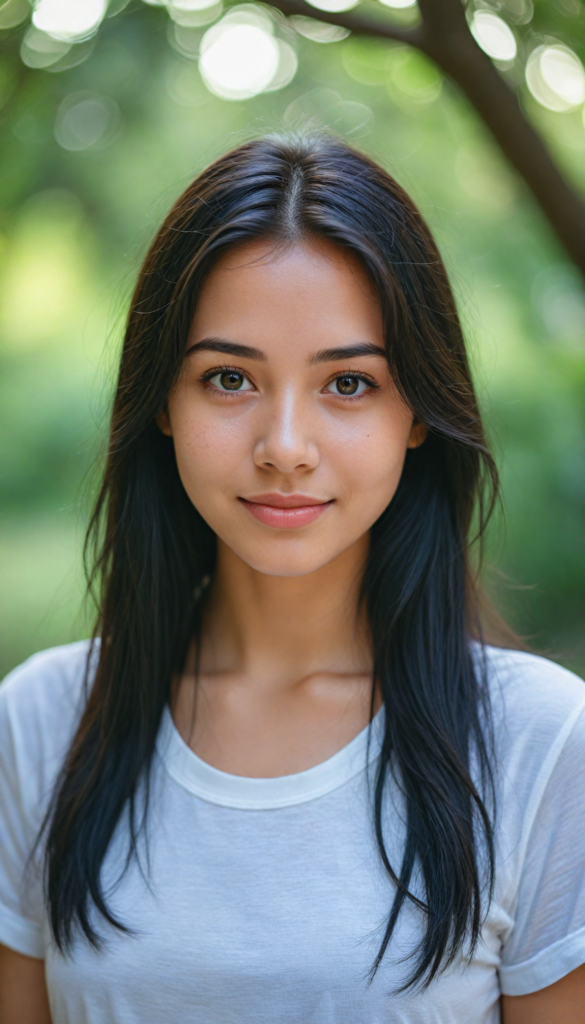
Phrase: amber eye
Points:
(231, 381)
(347, 385)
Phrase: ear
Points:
(418, 433)
(163, 423)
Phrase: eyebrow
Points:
(362, 348)
(227, 348)
(324, 355)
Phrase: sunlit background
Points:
(107, 111)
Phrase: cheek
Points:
(370, 455)
(208, 451)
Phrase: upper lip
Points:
(286, 500)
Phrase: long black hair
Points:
(150, 549)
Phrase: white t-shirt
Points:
(264, 899)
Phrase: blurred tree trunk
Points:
(444, 35)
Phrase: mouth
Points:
(285, 511)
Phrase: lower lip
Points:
(286, 518)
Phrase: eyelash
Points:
(358, 374)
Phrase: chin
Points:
(286, 563)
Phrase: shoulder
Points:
(50, 682)
(41, 702)
(538, 714)
(531, 695)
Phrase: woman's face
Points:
(289, 433)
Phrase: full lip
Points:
(286, 511)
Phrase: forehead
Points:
(310, 295)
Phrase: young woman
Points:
(292, 782)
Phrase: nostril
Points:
(286, 458)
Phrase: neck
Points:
(284, 629)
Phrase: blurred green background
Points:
(94, 147)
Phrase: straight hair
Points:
(149, 550)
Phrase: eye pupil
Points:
(347, 385)
(232, 381)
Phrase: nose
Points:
(286, 440)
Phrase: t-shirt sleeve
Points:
(20, 873)
(547, 940)
(40, 705)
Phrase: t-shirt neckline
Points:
(245, 793)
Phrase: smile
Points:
(285, 511)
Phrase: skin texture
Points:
(285, 651)
(23, 992)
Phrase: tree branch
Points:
(355, 23)
(449, 42)
(444, 36)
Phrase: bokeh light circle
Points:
(494, 36)
(318, 31)
(398, 4)
(192, 5)
(287, 67)
(13, 12)
(69, 20)
(333, 6)
(86, 120)
(555, 77)
(238, 57)
(38, 50)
